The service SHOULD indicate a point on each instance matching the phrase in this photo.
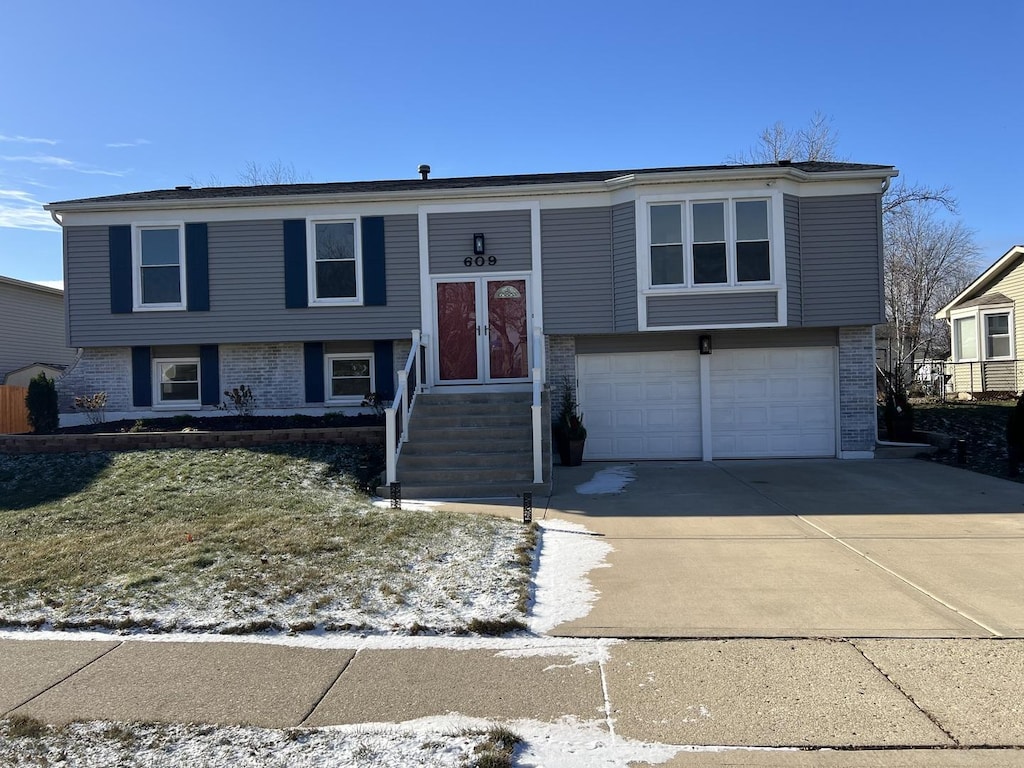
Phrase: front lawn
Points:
(242, 540)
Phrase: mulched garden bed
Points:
(228, 423)
(981, 424)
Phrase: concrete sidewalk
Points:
(923, 694)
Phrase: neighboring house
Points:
(310, 293)
(33, 337)
(987, 329)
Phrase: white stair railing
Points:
(396, 416)
(538, 435)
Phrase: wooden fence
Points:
(13, 413)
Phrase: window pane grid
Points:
(334, 260)
(178, 382)
(350, 377)
(159, 266)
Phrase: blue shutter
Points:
(314, 365)
(197, 268)
(296, 291)
(209, 374)
(120, 246)
(142, 377)
(374, 277)
(384, 369)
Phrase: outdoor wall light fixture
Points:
(705, 345)
(478, 245)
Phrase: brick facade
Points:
(273, 371)
(560, 352)
(857, 409)
(98, 369)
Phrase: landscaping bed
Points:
(226, 423)
(241, 540)
(982, 425)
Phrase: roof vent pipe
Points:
(182, 187)
(785, 162)
(424, 171)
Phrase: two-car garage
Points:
(757, 403)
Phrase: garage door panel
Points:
(778, 402)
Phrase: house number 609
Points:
(479, 261)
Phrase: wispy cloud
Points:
(63, 163)
(27, 140)
(20, 210)
(136, 143)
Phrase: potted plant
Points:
(569, 433)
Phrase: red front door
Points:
(482, 330)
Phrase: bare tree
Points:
(256, 175)
(928, 261)
(818, 141)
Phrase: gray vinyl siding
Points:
(247, 299)
(507, 238)
(577, 265)
(841, 259)
(709, 310)
(624, 267)
(669, 341)
(794, 303)
(31, 328)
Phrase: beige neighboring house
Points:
(987, 329)
(33, 334)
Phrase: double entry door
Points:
(483, 329)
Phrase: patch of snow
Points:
(409, 505)
(611, 480)
(445, 741)
(563, 592)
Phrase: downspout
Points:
(56, 220)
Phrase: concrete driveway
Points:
(884, 548)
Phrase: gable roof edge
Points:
(982, 279)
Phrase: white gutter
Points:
(54, 215)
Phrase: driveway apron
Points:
(800, 548)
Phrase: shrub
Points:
(41, 401)
(95, 407)
(241, 400)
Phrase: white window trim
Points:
(158, 402)
(346, 399)
(357, 240)
(137, 305)
(775, 244)
(981, 334)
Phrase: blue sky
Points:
(112, 97)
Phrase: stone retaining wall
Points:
(141, 441)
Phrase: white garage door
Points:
(641, 405)
(773, 402)
(764, 403)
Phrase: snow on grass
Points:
(611, 480)
(451, 740)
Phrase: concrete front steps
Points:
(473, 445)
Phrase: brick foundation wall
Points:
(274, 372)
(127, 441)
(98, 369)
(857, 413)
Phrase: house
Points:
(985, 329)
(33, 338)
(701, 312)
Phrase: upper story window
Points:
(710, 243)
(983, 335)
(176, 382)
(335, 268)
(158, 275)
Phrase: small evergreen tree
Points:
(41, 400)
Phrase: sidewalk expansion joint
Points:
(934, 720)
(607, 702)
(66, 677)
(327, 690)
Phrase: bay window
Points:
(708, 243)
(983, 334)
